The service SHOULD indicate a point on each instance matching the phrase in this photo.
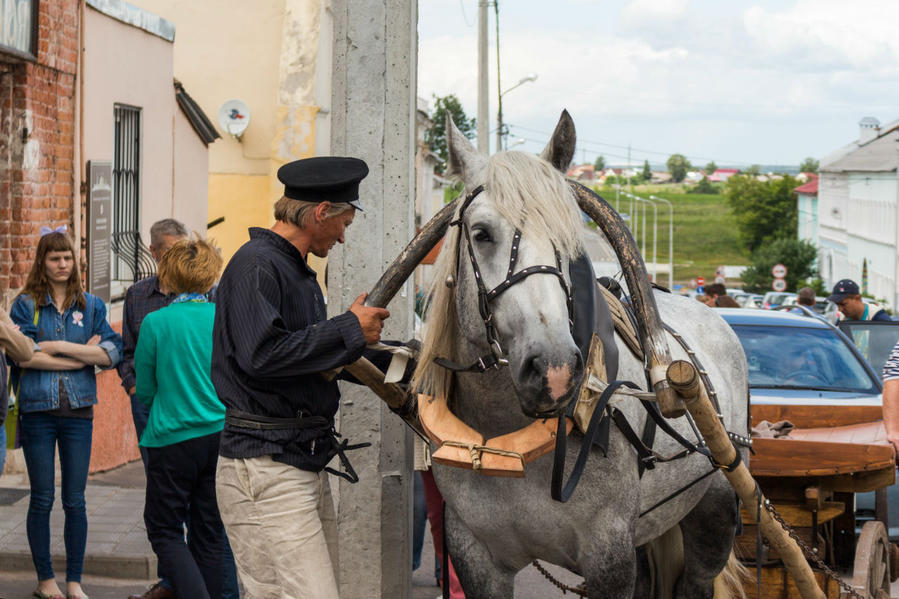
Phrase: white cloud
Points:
(662, 10)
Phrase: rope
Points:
(476, 450)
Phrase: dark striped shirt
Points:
(271, 340)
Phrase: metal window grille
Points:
(126, 193)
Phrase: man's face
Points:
(330, 231)
(852, 307)
(165, 244)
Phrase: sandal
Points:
(42, 595)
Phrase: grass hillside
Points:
(705, 235)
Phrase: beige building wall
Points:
(266, 54)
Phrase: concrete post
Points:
(373, 117)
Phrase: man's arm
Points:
(265, 349)
(125, 367)
(17, 346)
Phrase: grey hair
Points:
(298, 212)
(166, 226)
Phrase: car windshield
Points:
(802, 358)
(874, 339)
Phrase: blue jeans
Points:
(140, 413)
(40, 434)
(2, 447)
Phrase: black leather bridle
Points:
(485, 297)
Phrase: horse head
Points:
(502, 284)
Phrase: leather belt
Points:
(239, 419)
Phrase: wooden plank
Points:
(799, 515)
(788, 457)
(777, 584)
(816, 416)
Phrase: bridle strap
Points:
(485, 296)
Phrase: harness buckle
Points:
(648, 462)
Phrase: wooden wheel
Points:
(871, 574)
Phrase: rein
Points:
(495, 358)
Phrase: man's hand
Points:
(51, 348)
(371, 319)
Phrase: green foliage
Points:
(600, 163)
(809, 165)
(451, 192)
(754, 170)
(647, 172)
(711, 167)
(818, 285)
(704, 186)
(678, 165)
(764, 210)
(797, 255)
(435, 137)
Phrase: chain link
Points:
(810, 554)
(562, 586)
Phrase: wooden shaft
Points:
(652, 336)
(684, 379)
(395, 398)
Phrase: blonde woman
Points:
(172, 362)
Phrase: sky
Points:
(739, 83)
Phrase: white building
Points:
(858, 193)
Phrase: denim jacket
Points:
(38, 390)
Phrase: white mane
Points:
(533, 197)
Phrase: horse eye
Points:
(481, 236)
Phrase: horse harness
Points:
(485, 297)
(598, 429)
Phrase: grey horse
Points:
(497, 526)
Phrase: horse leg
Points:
(610, 567)
(479, 575)
(708, 534)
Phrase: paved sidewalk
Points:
(116, 539)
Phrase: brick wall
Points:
(37, 103)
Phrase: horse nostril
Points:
(533, 369)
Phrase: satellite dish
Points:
(234, 118)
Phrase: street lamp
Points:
(499, 111)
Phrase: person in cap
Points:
(848, 299)
(271, 342)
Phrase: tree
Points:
(704, 186)
(711, 167)
(763, 210)
(754, 170)
(809, 165)
(647, 172)
(600, 164)
(796, 254)
(678, 166)
(435, 137)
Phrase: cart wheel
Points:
(871, 574)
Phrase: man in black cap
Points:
(848, 299)
(272, 340)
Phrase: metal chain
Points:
(810, 554)
(562, 586)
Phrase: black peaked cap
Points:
(332, 179)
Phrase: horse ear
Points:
(463, 159)
(560, 149)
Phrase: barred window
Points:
(126, 195)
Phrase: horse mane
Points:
(531, 195)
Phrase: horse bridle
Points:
(485, 297)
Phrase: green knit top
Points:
(172, 363)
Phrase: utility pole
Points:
(483, 88)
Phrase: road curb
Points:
(138, 567)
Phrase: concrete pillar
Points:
(373, 118)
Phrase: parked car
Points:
(773, 299)
(748, 300)
(823, 307)
(802, 368)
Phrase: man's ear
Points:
(321, 211)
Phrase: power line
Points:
(465, 16)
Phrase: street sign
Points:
(779, 271)
(779, 285)
(700, 281)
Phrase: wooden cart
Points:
(811, 478)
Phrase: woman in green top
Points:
(172, 362)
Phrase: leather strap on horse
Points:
(558, 492)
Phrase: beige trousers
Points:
(282, 528)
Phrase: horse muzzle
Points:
(546, 382)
